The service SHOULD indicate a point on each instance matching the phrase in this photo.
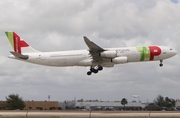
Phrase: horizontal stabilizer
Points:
(20, 56)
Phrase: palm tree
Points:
(124, 102)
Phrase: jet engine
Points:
(119, 60)
(108, 54)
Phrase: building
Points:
(35, 105)
(41, 105)
(2, 105)
(177, 103)
(67, 105)
(108, 105)
(100, 105)
(79, 104)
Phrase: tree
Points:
(153, 107)
(13, 101)
(159, 100)
(164, 102)
(124, 102)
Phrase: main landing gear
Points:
(161, 64)
(95, 69)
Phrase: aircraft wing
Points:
(94, 50)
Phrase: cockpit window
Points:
(171, 49)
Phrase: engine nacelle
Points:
(119, 60)
(108, 54)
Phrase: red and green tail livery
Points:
(16, 42)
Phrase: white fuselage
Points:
(113, 56)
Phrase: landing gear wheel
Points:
(89, 73)
(161, 64)
(94, 70)
(100, 68)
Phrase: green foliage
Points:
(124, 102)
(13, 101)
(153, 107)
(164, 102)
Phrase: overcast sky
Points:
(51, 25)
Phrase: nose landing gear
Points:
(161, 64)
(95, 70)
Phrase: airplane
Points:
(95, 57)
(135, 96)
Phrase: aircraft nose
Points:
(174, 52)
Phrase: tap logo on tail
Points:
(16, 42)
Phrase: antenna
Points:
(49, 96)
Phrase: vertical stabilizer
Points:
(18, 44)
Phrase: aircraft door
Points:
(42, 57)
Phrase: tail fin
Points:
(18, 44)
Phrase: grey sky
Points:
(60, 25)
